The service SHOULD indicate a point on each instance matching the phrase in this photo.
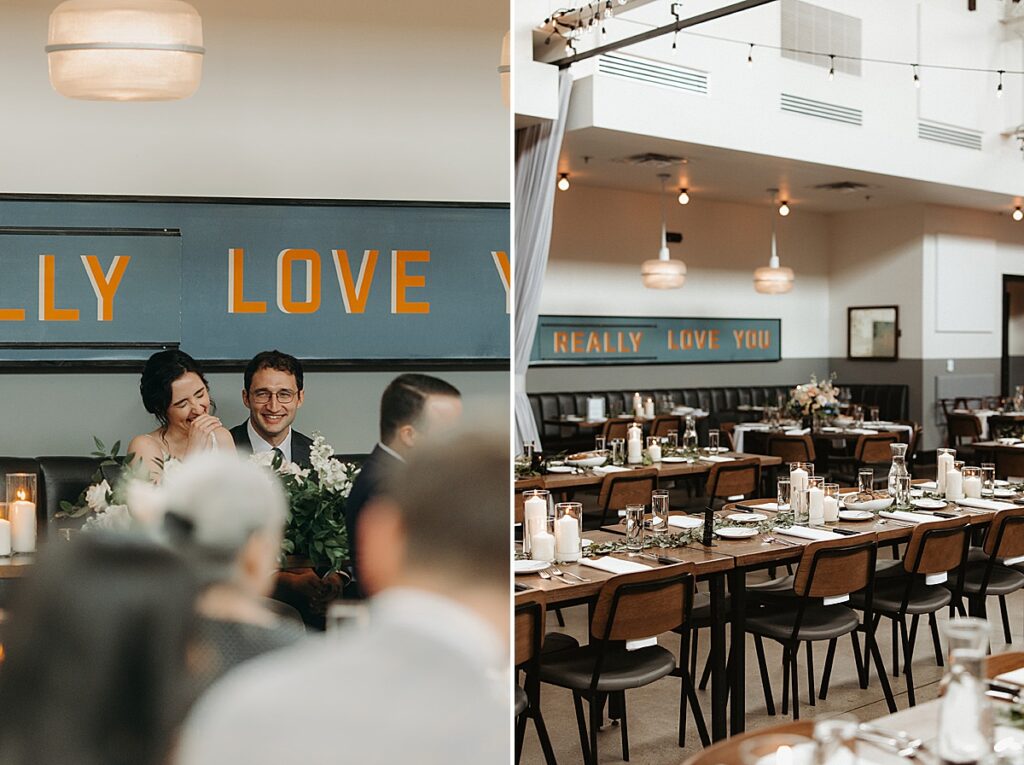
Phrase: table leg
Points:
(738, 654)
(719, 729)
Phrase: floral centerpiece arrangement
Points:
(108, 504)
(816, 398)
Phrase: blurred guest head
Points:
(415, 407)
(272, 393)
(440, 530)
(174, 389)
(95, 669)
(226, 516)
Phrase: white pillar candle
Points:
(543, 546)
(798, 480)
(635, 433)
(535, 511)
(654, 452)
(23, 526)
(943, 464)
(972, 487)
(5, 538)
(817, 506)
(954, 485)
(649, 409)
(638, 405)
(831, 510)
(635, 449)
(567, 538)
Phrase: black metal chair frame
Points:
(990, 564)
(532, 687)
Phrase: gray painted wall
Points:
(58, 414)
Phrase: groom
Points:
(273, 395)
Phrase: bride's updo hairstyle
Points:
(161, 370)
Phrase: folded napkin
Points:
(802, 532)
(986, 504)
(614, 565)
(718, 458)
(798, 432)
(862, 431)
(1019, 446)
(926, 485)
(903, 515)
(610, 469)
(762, 506)
(830, 429)
(685, 521)
(1016, 677)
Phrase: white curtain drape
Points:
(537, 150)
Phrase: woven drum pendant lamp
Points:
(125, 50)
(773, 279)
(663, 273)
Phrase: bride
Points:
(175, 391)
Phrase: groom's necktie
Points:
(279, 453)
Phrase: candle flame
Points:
(784, 755)
(21, 495)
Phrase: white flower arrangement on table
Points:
(815, 398)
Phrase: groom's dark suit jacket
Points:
(300, 444)
(368, 484)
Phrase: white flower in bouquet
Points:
(97, 496)
(292, 468)
(114, 518)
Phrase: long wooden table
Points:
(732, 559)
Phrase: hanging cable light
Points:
(773, 279)
(125, 50)
(663, 273)
(684, 196)
(563, 181)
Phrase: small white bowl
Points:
(588, 462)
(871, 506)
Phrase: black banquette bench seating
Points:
(722, 405)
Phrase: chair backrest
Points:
(1009, 461)
(730, 479)
(644, 604)
(836, 567)
(937, 546)
(962, 428)
(632, 488)
(914, 440)
(873, 448)
(530, 607)
(521, 486)
(663, 423)
(792, 448)
(726, 435)
(1005, 538)
(615, 428)
(64, 478)
(1000, 426)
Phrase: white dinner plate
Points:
(928, 504)
(855, 515)
(560, 468)
(529, 566)
(674, 460)
(1004, 493)
(747, 517)
(1001, 482)
(732, 532)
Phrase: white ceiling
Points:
(726, 175)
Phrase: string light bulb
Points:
(608, 9)
(784, 208)
(917, 80)
(750, 56)
(999, 87)
(563, 181)
(831, 67)
(684, 197)
(1018, 214)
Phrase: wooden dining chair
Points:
(913, 442)
(792, 448)
(615, 428)
(621, 489)
(871, 451)
(1007, 661)
(1001, 426)
(663, 423)
(733, 479)
(728, 750)
(791, 611)
(629, 607)
(529, 637)
(935, 548)
(727, 435)
(962, 430)
(1009, 462)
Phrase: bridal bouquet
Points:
(316, 503)
(814, 398)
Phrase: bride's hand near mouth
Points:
(206, 431)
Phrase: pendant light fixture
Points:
(663, 273)
(773, 279)
(125, 50)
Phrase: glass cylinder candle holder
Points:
(634, 528)
(972, 482)
(599, 443)
(528, 452)
(713, 441)
(618, 446)
(959, 465)
(568, 532)
(832, 503)
(988, 478)
(659, 511)
(542, 541)
(536, 510)
(800, 504)
(799, 472)
(901, 484)
(21, 508)
(654, 448)
(815, 481)
(782, 494)
(673, 440)
(944, 459)
(865, 480)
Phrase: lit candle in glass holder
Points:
(21, 506)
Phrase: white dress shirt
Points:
(259, 445)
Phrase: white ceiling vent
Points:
(821, 109)
(652, 159)
(809, 27)
(965, 138)
(653, 72)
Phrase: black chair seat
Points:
(885, 569)
(924, 598)
(521, 702)
(558, 641)
(620, 671)
(819, 622)
(773, 589)
(1002, 582)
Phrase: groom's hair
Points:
(282, 362)
(403, 400)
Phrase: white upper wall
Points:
(372, 100)
(601, 236)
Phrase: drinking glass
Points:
(345, 616)
(874, 414)
(618, 451)
(713, 442)
(902, 487)
(988, 478)
(673, 440)
(635, 528)
(568, 532)
(659, 510)
(865, 480)
(858, 416)
(800, 504)
(528, 453)
(599, 443)
(783, 494)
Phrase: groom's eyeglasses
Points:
(263, 396)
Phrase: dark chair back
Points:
(529, 625)
(64, 478)
(836, 567)
(962, 428)
(937, 547)
(615, 428)
(792, 448)
(1009, 461)
(1005, 538)
(640, 605)
(873, 448)
(730, 479)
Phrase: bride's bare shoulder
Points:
(146, 444)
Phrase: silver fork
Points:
(559, 572)
(545, 575)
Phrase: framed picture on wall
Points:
(873, 332)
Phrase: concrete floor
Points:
(654, 710)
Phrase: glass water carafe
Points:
(690, 435)
(899, 466)
(965, 717)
